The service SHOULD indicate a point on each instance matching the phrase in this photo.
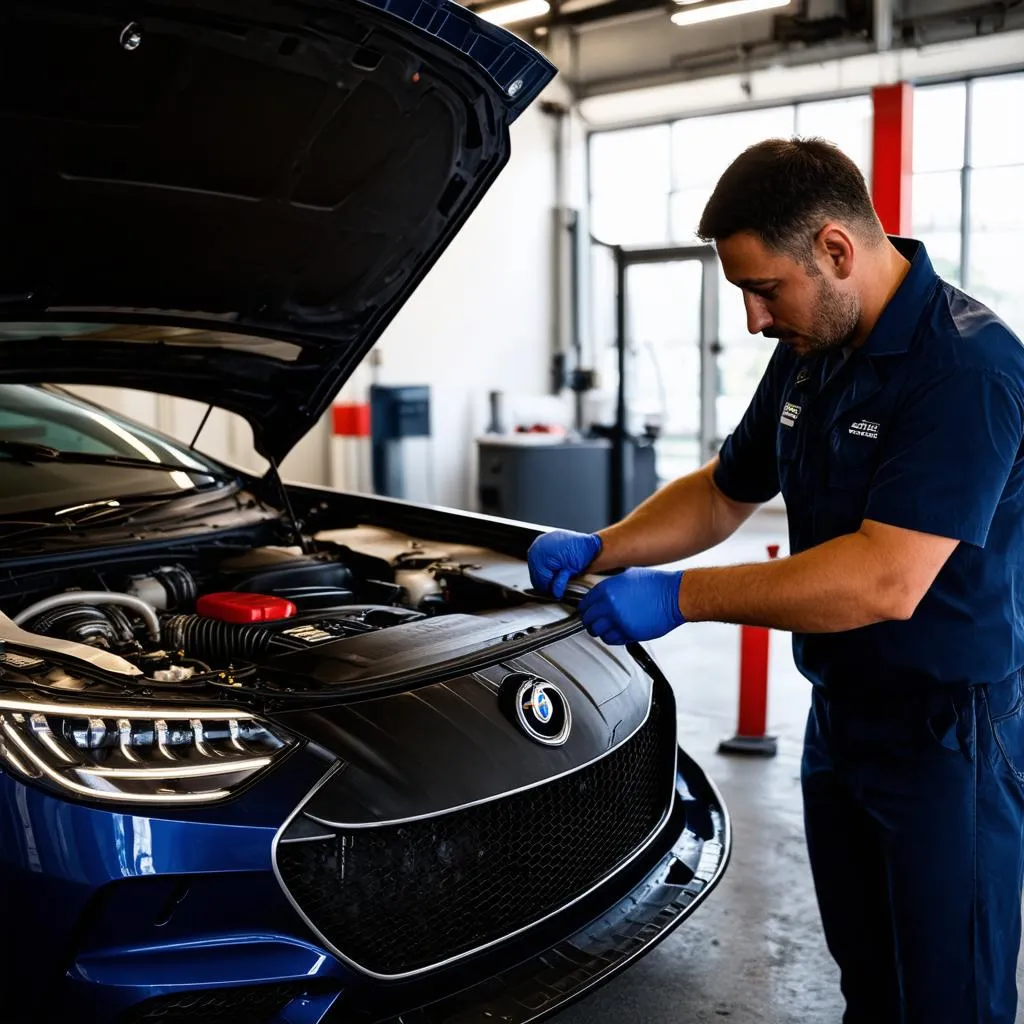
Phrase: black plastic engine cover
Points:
(454, 742)
(307, 581)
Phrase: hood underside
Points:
(229, 201)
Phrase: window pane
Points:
(630, 162)
(702, 147)
(664, 306)
(995, 279)
(847, 122)
(995, 104)
(630, 218)
(601, 328)
(936, 202)
(732, 315)
(936, 220)
(742, 361)
(687, 207)
(741, 366)
(944, 251)
(664, 335)
(939, 115)
(997, 200)
(997, 218)
(663, 331)
(600, 332)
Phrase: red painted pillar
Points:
(893, 157)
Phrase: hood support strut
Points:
(286, 501)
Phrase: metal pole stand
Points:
(750, 738)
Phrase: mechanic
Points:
(891, 418)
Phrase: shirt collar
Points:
(895, 329)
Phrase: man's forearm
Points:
(843, 584)
(683, 518)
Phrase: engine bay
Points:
(265, 617)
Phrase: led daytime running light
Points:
(136, 755)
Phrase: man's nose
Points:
(758, 317)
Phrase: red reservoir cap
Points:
(235, 607)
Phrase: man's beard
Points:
(835, 320)
(834, 323)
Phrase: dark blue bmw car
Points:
(273, 753)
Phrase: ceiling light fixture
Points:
(520, 10)
(692, 15)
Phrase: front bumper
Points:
(570, 968)
(225, 946)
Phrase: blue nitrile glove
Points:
(638, 604)
(554, 558)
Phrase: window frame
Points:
(670, 122)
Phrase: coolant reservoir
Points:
(418, 584)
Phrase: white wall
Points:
(481, 320)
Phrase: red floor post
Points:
(350, 446)
(751, 729)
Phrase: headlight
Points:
(136, 755)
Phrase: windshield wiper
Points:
(115, 512)
(23, 451)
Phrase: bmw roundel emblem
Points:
(541, 709)
(541, 705)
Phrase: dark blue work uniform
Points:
(913, 768)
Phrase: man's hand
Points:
(554, 558)
(638, 604)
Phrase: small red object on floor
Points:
(232, 606)
(750, 735)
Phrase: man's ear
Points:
(834, 247)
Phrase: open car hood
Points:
(229, 200)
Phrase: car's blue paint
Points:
(120, 908)
(232, 928)
(124, 905)
(519, 71)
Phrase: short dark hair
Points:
(784, 190)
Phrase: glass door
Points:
(664, 388)
(741, 359)
(671, 335)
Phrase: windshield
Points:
(41, 416)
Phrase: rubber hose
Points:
(215, 641)
(99, 597)
(79, 623)
(180, 586)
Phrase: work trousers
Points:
(914, 813)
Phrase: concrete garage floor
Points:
(754, 953)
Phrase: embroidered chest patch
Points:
(864, 428)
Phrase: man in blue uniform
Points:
(891, 418)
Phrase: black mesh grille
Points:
(402, 897)
(257, 1004)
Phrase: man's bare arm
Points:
(880, 573)
(683, 518)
